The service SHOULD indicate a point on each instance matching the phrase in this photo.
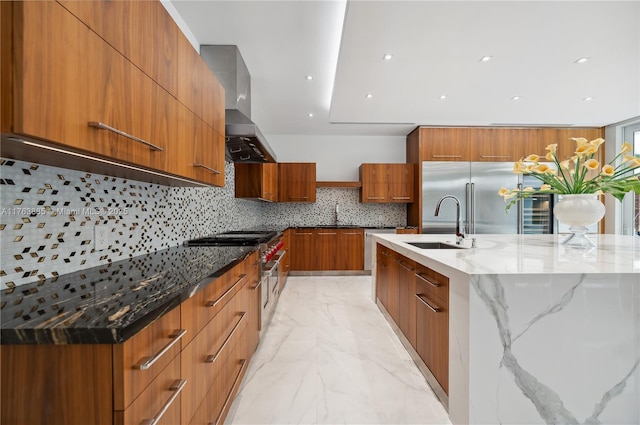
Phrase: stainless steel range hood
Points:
(244, 141)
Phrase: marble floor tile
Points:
(330, 357)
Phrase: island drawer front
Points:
(164, 391)
(434, 283)
(156, 345)
(204, 357)
(432, 333)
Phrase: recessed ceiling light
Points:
(387, 56)
(515, 98)
(486, 58)
(368, 95)
(443, 96)
(582, 60)
(586, 99)
(309, 77)
(310, 114)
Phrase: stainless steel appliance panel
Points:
(440, 179)
(488, 214)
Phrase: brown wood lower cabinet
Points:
(201, 350)
(327, 248)
(417, 300)
(432, 333)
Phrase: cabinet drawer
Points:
(139, 360)
(432, 334)
(204, 357)
(217, 402)
(433, 282)
(160, 400)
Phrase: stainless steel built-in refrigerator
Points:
(476, 185)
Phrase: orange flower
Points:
(626, 147)
(607, 170)
(532, 158)
(591, 164)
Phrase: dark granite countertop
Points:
(110, 303)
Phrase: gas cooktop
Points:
(234, 238)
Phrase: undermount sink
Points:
(434, 245)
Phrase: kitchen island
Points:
(538, 332)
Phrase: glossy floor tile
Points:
(330, 357)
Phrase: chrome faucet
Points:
(459, 235)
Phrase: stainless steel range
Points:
(271, 250)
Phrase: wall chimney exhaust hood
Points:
(244, 141)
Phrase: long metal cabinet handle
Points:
(264, 199)
(446, 156)
(176, 387)
(405, 265)
(213, 170)
(236, 382)
(253, 288)
(352, 233)
(298, 197)
(520, 212)
(401, 197)
(495, 156)
(473, 208)
(375, 197)
(432, 308)
(103, 126)
(214, 357)
(147, 362)
(302, 234)
(328, 234)
(227, 292)
(429, 281)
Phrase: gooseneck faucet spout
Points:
(459, 235)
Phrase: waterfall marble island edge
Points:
(538, 332)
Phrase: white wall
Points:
(337, 158)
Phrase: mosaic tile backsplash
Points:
(48, 217)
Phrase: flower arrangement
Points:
(580, 174)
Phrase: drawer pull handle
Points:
(405, 265)
(176, 387)
(213, 358)
(259, 284)
(424, 301)
(352, 233)
(495, 156)
(265, 199)
(327, 234)
(213, 170)
(381, 264)
(103, 126)
(227, 292)
(401, 197)
(446, 156)
(429, 281)
(147, 362)
(234, 387)
(301, 234)
(375, 197)
(298, 197)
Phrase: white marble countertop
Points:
(519, 254)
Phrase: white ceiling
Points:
(436, 47)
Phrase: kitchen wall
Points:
(337, 158)
(48, 215)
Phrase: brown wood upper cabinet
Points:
(297, 181)
(386, 183)
(101, 79)
(257, 181)
(492, 144)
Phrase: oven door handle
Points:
(280, 255)
(272, 268)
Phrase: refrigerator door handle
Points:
(467, 208)
(520, 217)
(473, 209)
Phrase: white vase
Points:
(578, 212)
